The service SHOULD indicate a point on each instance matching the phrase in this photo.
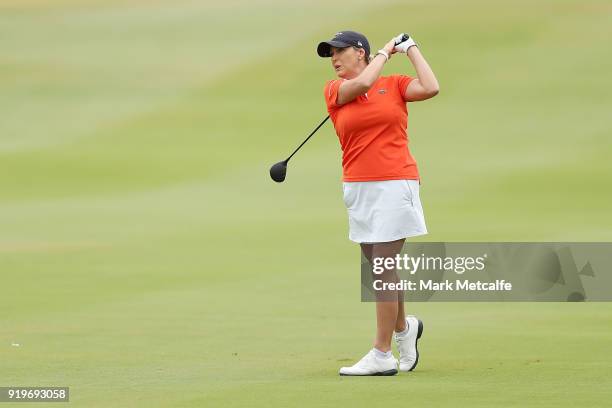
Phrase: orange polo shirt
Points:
(372, 131)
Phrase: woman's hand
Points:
(402, 46)
(390, 47)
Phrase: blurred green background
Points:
(148, 260)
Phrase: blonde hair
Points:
(368, 58)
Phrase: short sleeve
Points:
(331, 93)
(402, 84)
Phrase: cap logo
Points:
(337, 34)
(359, 43)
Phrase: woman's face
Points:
(346, 61)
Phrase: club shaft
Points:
(313, 132)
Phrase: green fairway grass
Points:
(147, 259)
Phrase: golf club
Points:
(278, 171)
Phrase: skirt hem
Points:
(393, 238)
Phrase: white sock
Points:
(382, 354)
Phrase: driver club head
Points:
(278, 171)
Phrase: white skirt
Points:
(383, 211)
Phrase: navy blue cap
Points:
(344, 39)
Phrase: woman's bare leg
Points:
(400, 323)
(387, 307)
(367, 251)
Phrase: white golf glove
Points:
(402, 46)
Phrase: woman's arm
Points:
(426, 85)
(359, 85)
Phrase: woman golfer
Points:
(380, 176)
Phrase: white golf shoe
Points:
(371, 364)
(407, 344)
